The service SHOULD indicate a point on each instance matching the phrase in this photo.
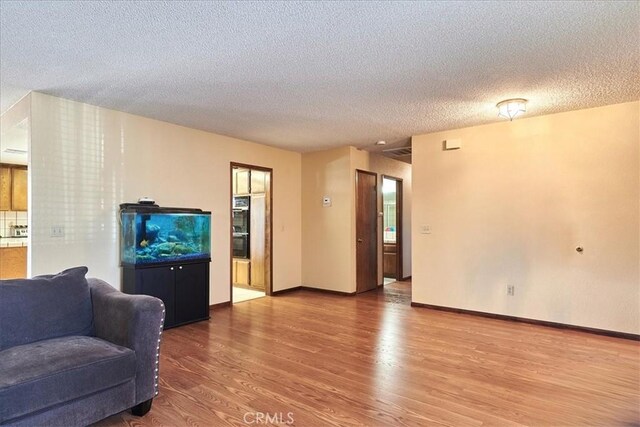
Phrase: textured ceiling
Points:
(312, 75)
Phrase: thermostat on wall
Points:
(326, 201)
(452, 144)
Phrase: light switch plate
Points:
(425, 229)
(57, 231)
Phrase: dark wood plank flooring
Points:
(372, 360)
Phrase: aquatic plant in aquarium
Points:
(164, 235)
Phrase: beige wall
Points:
(512, 205)
(86, 160)
(328, 233)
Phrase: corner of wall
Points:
(326, 235)
(513, 204)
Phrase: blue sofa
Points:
(74, 351)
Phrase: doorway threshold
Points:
(243, 294)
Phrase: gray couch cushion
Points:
(45, 307)
(40, 375)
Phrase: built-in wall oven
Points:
(241, 216)
(240, 220)
(241, 245)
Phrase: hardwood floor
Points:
(372, 360)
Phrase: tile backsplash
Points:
(9, 218)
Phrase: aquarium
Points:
(164, 235)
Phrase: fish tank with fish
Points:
(151, 235)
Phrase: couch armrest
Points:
(132, 321)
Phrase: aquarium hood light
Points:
(146, 201)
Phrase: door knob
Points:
(359, 240)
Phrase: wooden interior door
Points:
(366, 231)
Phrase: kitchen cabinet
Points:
(184, 289)
(259, 181)
(257, 248)
(18, 189)
(253, 272)
(241, 179)
(13, 262)
(5, 188)
(13, 188)
(241, 271)
(251, 268)
(390, 260)
(245, 181)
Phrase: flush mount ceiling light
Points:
(14, 151)
(381, 142)
(511, 108)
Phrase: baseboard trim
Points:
(307, 288)
(556, 325)
(220, 305)
(328, 291)
(405, 279)
(285, 291)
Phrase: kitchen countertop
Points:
(12, 242)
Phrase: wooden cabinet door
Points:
(257, 233)
(234, 271)
(242, 273)
(234, 183)
(5, 189)
(242, 181)
(18, 189)
(13, 263)
(159, 282)
(390, 260)
(192, 292)
(258, 181)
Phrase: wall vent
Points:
(398, 152)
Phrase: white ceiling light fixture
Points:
(512, 108)
(15, 151)
(381, 142)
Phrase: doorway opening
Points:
(391, 229)
(15, 141)
(251, 231)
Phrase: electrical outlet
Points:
(425, 229)
(511, 290)
(57, 231)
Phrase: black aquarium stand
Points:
(183, 287)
